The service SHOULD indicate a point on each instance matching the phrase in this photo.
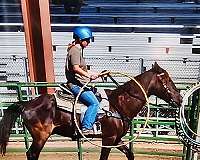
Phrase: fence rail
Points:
(161, 121)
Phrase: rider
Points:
(77, 75)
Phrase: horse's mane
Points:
(155, 69)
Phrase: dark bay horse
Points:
(42, 117)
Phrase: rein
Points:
(122, 117)
(117, 84)
(114, 81)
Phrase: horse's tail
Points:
(6, 124)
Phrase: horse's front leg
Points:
(129, 154)
(107, 141)
(33, 152)
(105, 153)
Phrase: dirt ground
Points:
(86, 156)
(90, 154)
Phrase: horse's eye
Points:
(161, 75)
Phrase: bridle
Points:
(160, 76)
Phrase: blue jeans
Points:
(89, 99)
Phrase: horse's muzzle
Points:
(177, 101)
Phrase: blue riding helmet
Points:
(82, 33)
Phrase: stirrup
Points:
(97, 128)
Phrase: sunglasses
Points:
(87, 40)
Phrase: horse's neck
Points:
(128, 99)
(144, 80)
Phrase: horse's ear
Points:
(156, 67)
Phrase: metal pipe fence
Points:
(161, 121)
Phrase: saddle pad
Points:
(66, 101)
(67, 104)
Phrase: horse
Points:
(43, 118)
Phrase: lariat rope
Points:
(184, 132)
(182, 113)
(140, 131)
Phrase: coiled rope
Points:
(119, 145)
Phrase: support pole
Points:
(131, 135)
(20, 98)
(198, 123)
(80, 149)
(37, 29)
(192, 123)
(142, 68)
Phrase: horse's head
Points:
(164, 87)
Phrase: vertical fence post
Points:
(26, 73)
(131, 135)
(142, 68)
(26, 137)
(19, 93)
(80, 149)
(199, 74)
(157, 116)
(192, 124)
(198, 123)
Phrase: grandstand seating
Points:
(128, 12)
(138, 12)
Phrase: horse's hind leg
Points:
(39, 139)
(129, 154)
(34, 150)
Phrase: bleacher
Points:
(130, 13)
(110, 12)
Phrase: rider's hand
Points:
(94, 76)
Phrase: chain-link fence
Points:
(181, 70)
(13, 69)
(185, 71)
